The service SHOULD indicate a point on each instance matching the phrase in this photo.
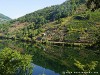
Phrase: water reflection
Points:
(53, 59)
(38, 70)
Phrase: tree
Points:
(86, 67)
(93, 4)
(12, 61)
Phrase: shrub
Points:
(12, 62)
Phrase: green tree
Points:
(86, 67)
(93, 4)
(12, 61)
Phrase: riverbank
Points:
(51, 42)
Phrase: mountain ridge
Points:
(4, 18)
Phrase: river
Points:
(49, 59)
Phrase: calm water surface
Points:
(53, 59)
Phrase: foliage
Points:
(52, 13)
(4, 18)
(68, 22)
(12, 62)
(38, 18)
(55, 55)
(77, 28)
(87, 67)
(93, 4)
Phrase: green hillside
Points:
(4, 18)
(70, 29)
(70, 22)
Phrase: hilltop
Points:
(4, 18)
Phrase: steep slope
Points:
(69, 22)
(49, 14)
(74, 29)
(4, 18)
(52, 13)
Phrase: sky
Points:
(18, 8)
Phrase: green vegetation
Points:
(57, 58)
(12, 62)
(86, 68)
(52, 13)
(35, 20)
(4, 18)
(71, 22)
(93, 4)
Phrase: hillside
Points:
(72, 29)
(4, 18)
(70, 22)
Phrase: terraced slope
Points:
(77, 26)
(72, 29)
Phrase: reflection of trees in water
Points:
(60, 58)
(57, 58)
(89, 67)
(12, 63)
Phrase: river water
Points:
(51, 59)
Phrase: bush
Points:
(87, 67)
(12, 62)
(82, 17)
